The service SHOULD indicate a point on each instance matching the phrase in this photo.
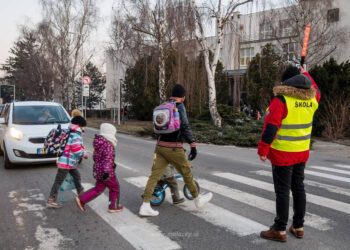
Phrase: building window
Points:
(246, 56)
(286, 28)
(266, 31)
(289, 51)
(333, 15)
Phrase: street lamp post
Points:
(116, 104)
(121, 97)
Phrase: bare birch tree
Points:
(49, 52)
(72, 21)
(222, 15)
(149, 23)
(126, 45)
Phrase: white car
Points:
(24, 127)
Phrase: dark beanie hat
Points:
(299, 81)
(290, 72)
(178, 91)
(78, 120)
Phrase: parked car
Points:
(24, 127)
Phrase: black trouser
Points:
(60, 176)
(287, 178)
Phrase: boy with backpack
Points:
(171, 125)
(68, 161)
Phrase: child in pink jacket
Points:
(104, 169)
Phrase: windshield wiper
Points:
(23, 123)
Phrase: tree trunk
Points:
(210, 68)
(212, 92)
(236, 91)
(161, 33)
(162, 92)
(212, 104)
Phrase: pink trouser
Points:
(113, 186)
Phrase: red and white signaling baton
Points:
(306, 40)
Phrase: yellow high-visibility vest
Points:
(295, 131)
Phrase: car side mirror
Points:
(2, 120)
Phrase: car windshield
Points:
(39, 115)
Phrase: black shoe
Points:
(175, 202)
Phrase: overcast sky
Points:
(14, 13)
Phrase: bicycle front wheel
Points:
(187, 192)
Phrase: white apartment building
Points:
(256, 30)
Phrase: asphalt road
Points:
(242, 206)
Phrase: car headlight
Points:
(16, 133)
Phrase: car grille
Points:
(20, 153)
(37, 140)
(37, 156)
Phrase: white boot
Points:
(203, 199)
(146, 210)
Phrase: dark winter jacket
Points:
(184, 133)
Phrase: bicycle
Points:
(158, 195)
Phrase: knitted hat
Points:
(290, 72)
(300, 81)
(178, 91)
(108, 131)
(78, 120)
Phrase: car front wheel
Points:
(7, 163)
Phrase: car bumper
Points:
(26, 152)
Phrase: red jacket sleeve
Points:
(318, 92)
(277, 111)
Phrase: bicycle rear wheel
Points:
(157, 197)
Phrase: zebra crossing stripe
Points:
(139, 232)
(127, 167)
(213, 214)
(315, 199)
(328, 176)
(329, 188)
(311, 220)
(342, 166)
(338, 171)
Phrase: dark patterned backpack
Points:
(56, 141)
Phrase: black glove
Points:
(105, 176)
(193, 153)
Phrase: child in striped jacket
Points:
(67, 163)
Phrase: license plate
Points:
(40, 151)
